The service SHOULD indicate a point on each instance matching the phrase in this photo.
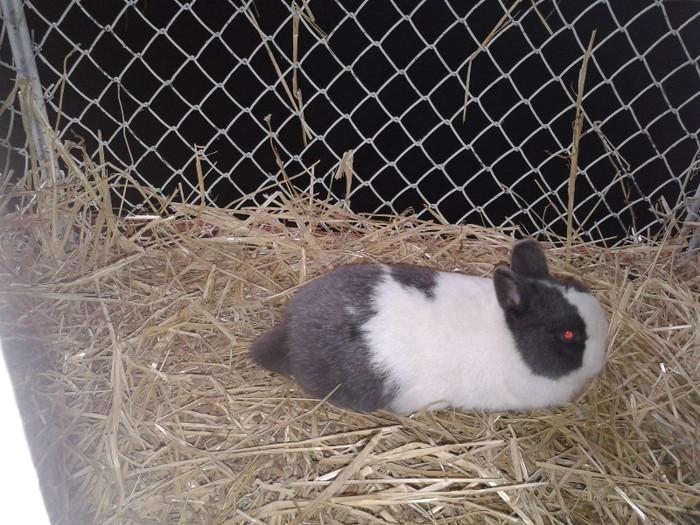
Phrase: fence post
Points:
(28, 79)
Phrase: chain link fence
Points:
(458, 110)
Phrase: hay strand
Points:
(578, 129)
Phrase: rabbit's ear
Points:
(509, 289)
(528, 260)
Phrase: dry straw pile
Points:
(128, 341)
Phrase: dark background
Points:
(197, 73)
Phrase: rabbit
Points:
(404, 338)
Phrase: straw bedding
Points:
(128, 343)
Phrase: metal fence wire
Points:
(378, 90)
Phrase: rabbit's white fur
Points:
(414, 341)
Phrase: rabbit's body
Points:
(403, 337)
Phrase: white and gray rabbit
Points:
(402, 337)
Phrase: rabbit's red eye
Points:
(569, 336)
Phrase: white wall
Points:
(20, 497)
